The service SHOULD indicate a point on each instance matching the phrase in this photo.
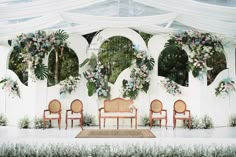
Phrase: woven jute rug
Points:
(122, 133)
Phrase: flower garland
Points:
(96, 79)
(225, 87)
(171, 87)
(139, 79)
(33, 47)
(69, 84)
(10, 86)
(201, 47)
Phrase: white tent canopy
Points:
(86, 16)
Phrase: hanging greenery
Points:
(171, 87)
(10, 86)
(201, 46)
(33, 47)
(97, 83)
(139, 77)
(225, 87)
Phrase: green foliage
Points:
(84, 62)
(206, 122)
(41, 71)
(173, 64)
(68, 66)
(24, 123)
(232, 120)
(61, 36)
(116, 54)
(194, 124)
(38, 123)
(145, 121)
(145, 36)
(3, 120)
(132, 150)
(91, 88)
(88, 120)
(218, 63)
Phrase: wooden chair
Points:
(156, 112)
(181, 113)
(54, 112)
(75, 112)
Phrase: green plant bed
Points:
(135, 150)
(3, 120)
(24, 123)
(38, 123)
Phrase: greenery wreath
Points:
(33, 47)
(139, 80)
(201, 46)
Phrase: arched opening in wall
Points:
(173, 64)
(19, 65)
(218, 63)
(116, 54)
(61, 66)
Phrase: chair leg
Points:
(174, 122)
(66, 122)
(131, 121)
(81, 123)
(43, 123)
(166, 123)
(104, 122)
(136, 123)
(189, 122)
(50, 123)
(150, 123)
(59, 123)
(99, 122)
(160, 123)
(71, 123)
(117, 123)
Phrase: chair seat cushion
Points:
(158, 115)
(74, 115)
(118, 114)
(52, 115)
(182, 116)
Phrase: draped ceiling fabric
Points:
(86, 16)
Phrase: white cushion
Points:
(158, 115)
(118, 114)
(52, 115)
(186, 115)
(74, 115)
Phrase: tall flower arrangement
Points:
(10, 86)
(201, 47)
(139, 77)
(225, 87)
(97, 83)
(33, 47)
(171, 87)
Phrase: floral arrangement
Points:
(10, 86)
(69, 84)
(201, 47)
(97, 83)
(139, 77)
(171, 87)
(33, 47)
(226, 86)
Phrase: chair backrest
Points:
(117, 105)
(156, 106)
(54, 106)
(179, 106)
(76, 106)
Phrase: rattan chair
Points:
(181, 113)
(53, 112)
(156, 112)
(75, 112)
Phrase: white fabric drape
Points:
(42, 7)
(118, 21)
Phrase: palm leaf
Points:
(84, 62)
(41, 71)
(61, 35)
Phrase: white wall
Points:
(199, 97)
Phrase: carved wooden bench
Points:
(118, 108)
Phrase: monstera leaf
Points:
(149, 62)
(41, 71)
